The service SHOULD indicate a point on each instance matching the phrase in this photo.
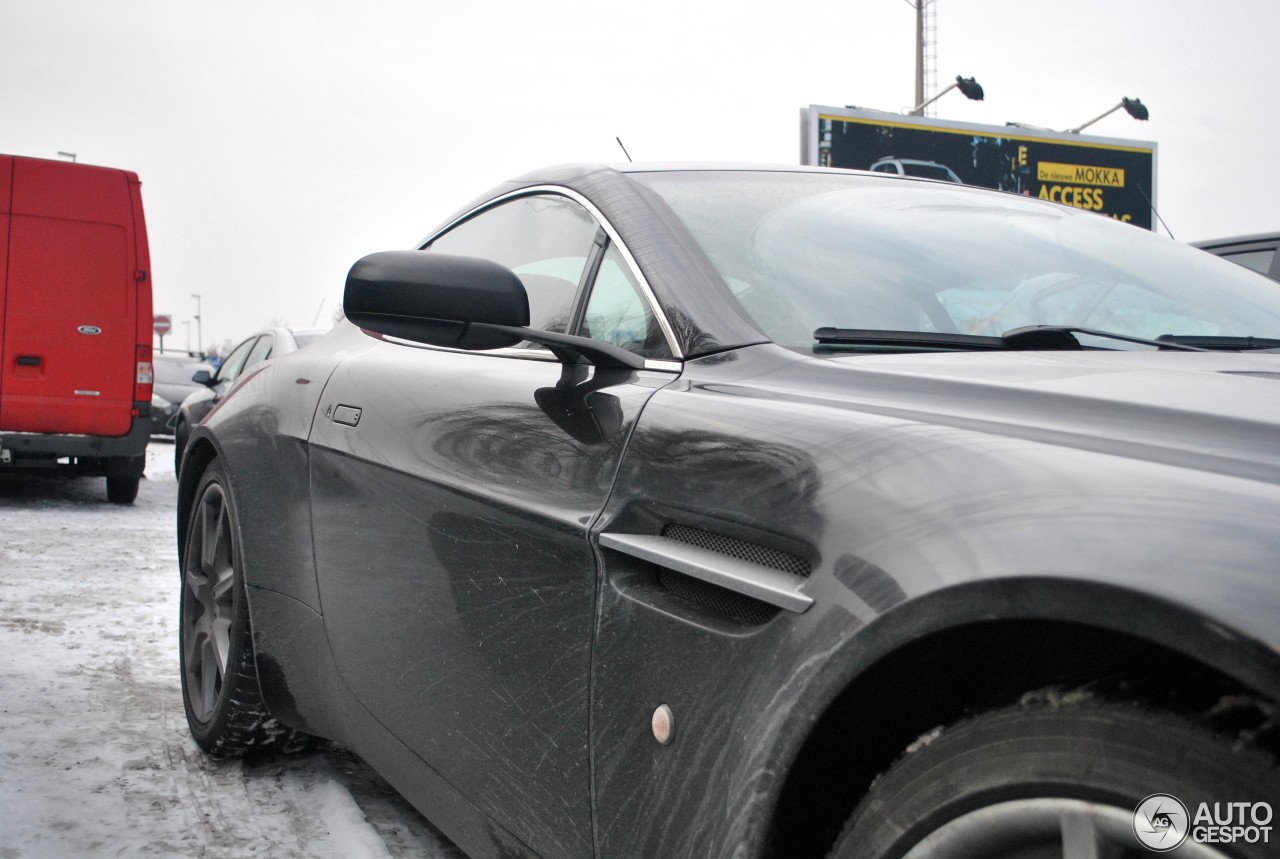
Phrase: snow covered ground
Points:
(95, 759)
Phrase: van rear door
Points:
(6, 199)
(72, 303)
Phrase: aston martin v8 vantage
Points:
(760, 512)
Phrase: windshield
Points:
(807, 251)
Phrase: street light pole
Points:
(199, 331)
(968, 86)
(920, 57)
(1132, 106)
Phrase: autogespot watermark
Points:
(1162, 823)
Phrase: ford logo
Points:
(89, 329)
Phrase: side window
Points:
(617, 313)
(545, 239)
(234, 362)
(1256, 260)
(261, 350)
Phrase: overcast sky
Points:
(278, 141)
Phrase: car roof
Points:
(568, 172)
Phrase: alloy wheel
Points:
(208, 605)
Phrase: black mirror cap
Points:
(433, 298)
(202, 377)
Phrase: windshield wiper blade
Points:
(1029, 338)
(1221, 342)
(1031, 331)
(905, 339)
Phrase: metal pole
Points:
(199, 330)
(919, 111)
(1080, 128)
(919, 58)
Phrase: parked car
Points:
(758, 513)
(1257, 252)
(75, 322)
(915, 167)
(174, 372)
(211, 385)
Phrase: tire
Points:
(220, 690)
(122, 488)
(1057, 780)
(124, 473)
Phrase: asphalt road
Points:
(95, 758)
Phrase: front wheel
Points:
(1085, 779)
(220, 690)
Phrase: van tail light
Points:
(146, 376)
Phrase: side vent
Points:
(723, 603)
(740, 549)
(734, 580)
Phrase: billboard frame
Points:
(811, 138)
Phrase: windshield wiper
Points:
(925, 340)
(1032, 331)
(1029, 338)
(1221, 342)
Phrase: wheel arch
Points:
(1136, 647)
(197, 459)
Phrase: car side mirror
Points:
(580, 407)
(202, 377)
(460, 302)
(438, 299)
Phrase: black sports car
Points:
(732, 512)
(1257, 252)
(173, 372)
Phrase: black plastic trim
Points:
(132, 444)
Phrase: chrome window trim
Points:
(529, 354)
(663, 366)
(656, 365)
(614, 239)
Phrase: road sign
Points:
(163, 324)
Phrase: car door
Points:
(452, 494)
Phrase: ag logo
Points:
(1160, 821)
(89, 329)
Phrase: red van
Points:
(75, 322)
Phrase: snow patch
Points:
(95, 757)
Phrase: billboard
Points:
(1109, 176)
